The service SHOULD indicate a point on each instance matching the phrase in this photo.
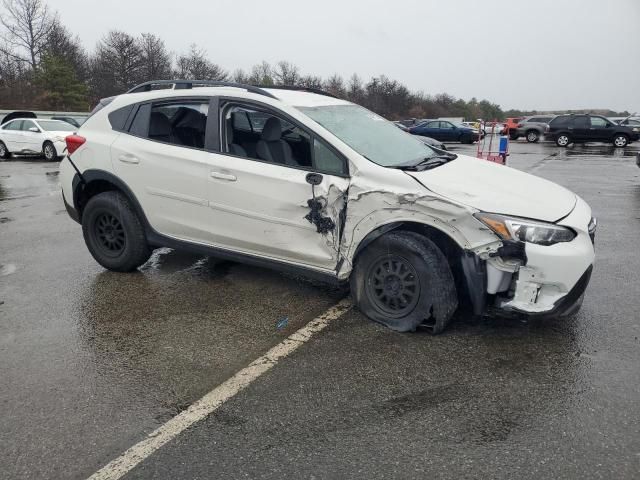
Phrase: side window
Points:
(118, 118)
(140, 124)
(27, 124)
(179, 123)
(15, 125)
(261, 135)
(325, 160)
(433, 125)
(581, 122)
(598, 122)
(446, 125)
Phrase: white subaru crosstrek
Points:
(34, 136)
(300, 181)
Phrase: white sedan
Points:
(34, 136)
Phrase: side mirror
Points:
(34, 129)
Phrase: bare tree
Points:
(311, 81)
(240, 76)
(335, 86)
(27, 25)
(196, 66)
(156, 61)
(286, 73)
(261, 74)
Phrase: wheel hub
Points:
(393, 286)
(110, 233)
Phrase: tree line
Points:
(43, 66)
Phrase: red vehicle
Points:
(512, 126)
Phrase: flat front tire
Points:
(403, 280)
(113, 232)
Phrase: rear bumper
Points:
(73, 213)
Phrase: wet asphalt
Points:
(92, 361)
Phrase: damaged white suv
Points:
(300, 181)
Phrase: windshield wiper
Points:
(428, 163)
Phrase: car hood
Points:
(495, 188)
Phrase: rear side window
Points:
(118, 118)
(179, 123)
(15, 125)
(140, 124)
(560, 121)
(581, 122)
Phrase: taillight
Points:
(74, 142)
(519, 125)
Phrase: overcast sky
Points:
(540, 54)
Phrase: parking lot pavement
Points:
(92, 361)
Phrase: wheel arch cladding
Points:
(452, 251)
(95, 181)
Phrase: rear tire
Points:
(563, 140)
(533, 136)
(513, 136)
(49, 151)
(4, 151)
(113, 232)
(403, 280)
(620, 141)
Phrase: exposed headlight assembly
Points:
(513, 228)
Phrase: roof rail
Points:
(299, 88)
(189, 84)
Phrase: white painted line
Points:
(216, 397)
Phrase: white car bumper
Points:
(555, 277)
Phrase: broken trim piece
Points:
(511, 249)
(475, 275)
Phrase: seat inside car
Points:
(159, 127)
(271, 147)
(234, 148)
(189, 128)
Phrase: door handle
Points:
(224, 176)
(128, 158)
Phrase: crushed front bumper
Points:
(543, 281)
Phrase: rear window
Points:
(118, 118)
(560, 121)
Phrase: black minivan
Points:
(573, 128)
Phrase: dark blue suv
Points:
(445, 131)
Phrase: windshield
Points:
(56, 126)
(372, 136)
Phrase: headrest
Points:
(272, 130)
(159, 125)
(192, 119)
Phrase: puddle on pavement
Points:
(599, 151)
(31, 180)
(7, 269)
